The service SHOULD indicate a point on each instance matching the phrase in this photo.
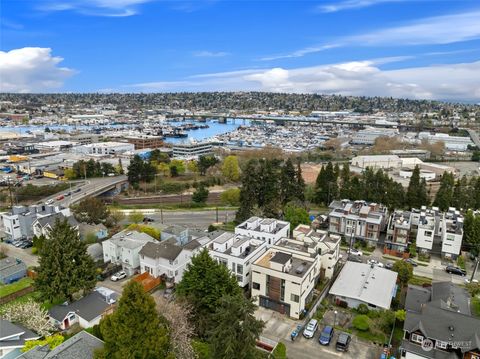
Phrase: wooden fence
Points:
(17, 294)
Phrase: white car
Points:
(50, 201)
(375, 263)
(310, 329)
(118, 276)
(355, 252)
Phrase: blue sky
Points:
(401, 48)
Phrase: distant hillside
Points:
(242, 101)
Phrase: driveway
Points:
(25, 255)
(279, 327)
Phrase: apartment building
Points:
(452, 233)
(268, 229)
(357, 220)
(145, 141)
(284, 277)
(237, 252)
(105, 148)
(124, 247)
(398, 233)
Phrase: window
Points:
(294, 298)
(176, 272)
(282, 290)
(428, 233)
(256, 286)
(239, 269)
(450, 238)
(441, 345)
(417, 338)
(233, 267)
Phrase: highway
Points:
(92, 186)
(474, 136)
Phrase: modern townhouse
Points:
(326, 246)
(284, 277)
(398, 233)
(452, 233)
(268, 229)
(237, 253)
(439, 323)
(123, 249)
(358, 220)
(426, 223)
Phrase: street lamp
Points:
(334, 318)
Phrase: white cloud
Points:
(437, 30)
(31, 69)
(359, 78)
(205, 53)
(352, 4)
(111, 8)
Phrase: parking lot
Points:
(278, 327)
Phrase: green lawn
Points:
(419, 280)
(15, 287)
(476, 306)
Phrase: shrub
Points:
(388, 317)
(362, 309)
(361, 322)
(400, 315)
(461, 262)
(413, 250)
(34, 250)
(372, 314)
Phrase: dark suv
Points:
(455, 270)
(343, 342)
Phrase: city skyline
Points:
(415, 49)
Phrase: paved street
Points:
(24, 255)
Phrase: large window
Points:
(417, 338)
(256, 285)
(428, 233)
(239, 269)
(282, 290)
(294, 298)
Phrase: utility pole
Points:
(216, 214)
(475, 268)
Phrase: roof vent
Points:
(299, 269)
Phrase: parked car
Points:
(119, 275)
(59, 198)
(50, 201)
(148, 219)
(455, 270)
(343, 342)
(389, 265)
(77, 190)
(353, 258)
(411, 261)
(355, 252)
(326, 335)
(26, 244)
(375, 263)
(68, 194)
(310, 329)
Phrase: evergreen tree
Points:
(326, 187)
(288, 182)
(444, 197)
(412, 196)
(235, 330)
(300, 183)
(64, 266)
(135, 329)
(248, 191)
(345, 187)
(204, 282)
(200, 195)
(135, 169)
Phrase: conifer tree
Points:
(64, 266)
(135, 329)
(444, 196)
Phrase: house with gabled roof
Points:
(13, 337)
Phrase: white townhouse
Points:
(268, 229)
(452, 233)
(124, 247)
(284, 277)
(237, 253)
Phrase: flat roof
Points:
(369, 284)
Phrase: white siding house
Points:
(267, 229)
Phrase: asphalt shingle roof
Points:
(89, 307)
(163, 249)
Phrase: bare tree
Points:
(181, 330)
(3, 251)
(31, 315)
